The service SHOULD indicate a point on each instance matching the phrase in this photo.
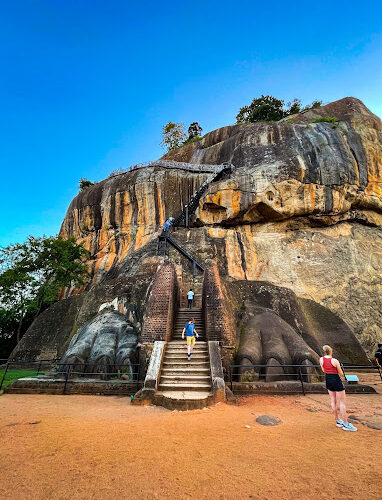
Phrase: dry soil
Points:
(85, 447)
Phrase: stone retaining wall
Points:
(219, 326)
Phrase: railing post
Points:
(301, 380)
(379, 371)
(39, 367)
(186, 221)
(230, 378)
(3, 377)
(66, 379)
(194, 268)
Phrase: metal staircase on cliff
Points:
(183, 218)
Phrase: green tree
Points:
(33, 273)
(268, 109)
(194, 130)
(264, 108)
(293, 107)
(315, 104)
(173, 135)
(84, 184)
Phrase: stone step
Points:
(180, 352)
(187, 312)
(182, 355)
(186, 319)
(185, 309)
(183, 342)
(184, 378)
(193, 395)
(179, 345)
(182, 347)
(182, 324)
(192, 363)
(173, 342)
(201, 338)
(179, 328)
(178, 334)
(184, 386)
(185, 371)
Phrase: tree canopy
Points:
(194, 130)
(173, 135)
(33, 273)
(268, 109)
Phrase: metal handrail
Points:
(301, 369)
(171, 164)
(130, 370)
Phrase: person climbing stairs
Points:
(182, 218)
(182, 378)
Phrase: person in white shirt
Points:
(190, 297)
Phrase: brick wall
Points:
(218, 323)
(159, 316)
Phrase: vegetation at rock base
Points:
(268, 108)
(85, 183)
(32, 274)
(173, 135)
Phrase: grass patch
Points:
(197, 138)
(13, 375)
(327, 119)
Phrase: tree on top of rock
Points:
(173, 135)
(194, 130)
(265, 108)
(269, 109)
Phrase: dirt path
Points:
(86, 447)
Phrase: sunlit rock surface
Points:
(302, 210)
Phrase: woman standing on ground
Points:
(332, 369)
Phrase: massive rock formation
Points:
(301, 210)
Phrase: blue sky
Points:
(86, 86)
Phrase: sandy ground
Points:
(85, 447)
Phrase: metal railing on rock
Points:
(170, 164)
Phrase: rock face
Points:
(301, 210)
(106, 344)
(116, 217)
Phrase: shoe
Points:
(340, 423)
(188, 357)
(349, 427)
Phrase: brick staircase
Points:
(187, 282)
(185, 384)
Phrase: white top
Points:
(190, 295)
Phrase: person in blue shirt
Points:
(167, 226)
(190, 298)
(189, 330)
